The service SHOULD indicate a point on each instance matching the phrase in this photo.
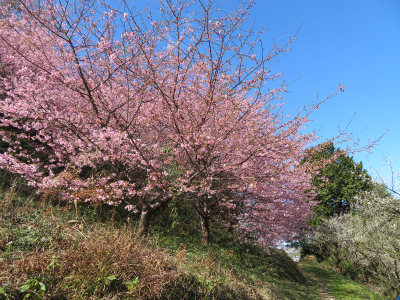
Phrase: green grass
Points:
(59, 251)
(338, 286)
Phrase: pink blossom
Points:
(137, 119)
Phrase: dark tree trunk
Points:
(205, 230)
(144, 223)
(148, 207)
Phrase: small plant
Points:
(208, 284)
(133, 284)
(34, 288)
(106, 281)
(54, 264)
(4, 290)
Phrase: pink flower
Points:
(131, 208)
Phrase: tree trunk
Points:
(144, 223)
(148, 207)
(205, 230)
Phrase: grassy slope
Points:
(64, 253)
(337, 286)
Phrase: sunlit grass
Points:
(340, 287)
(59, 251)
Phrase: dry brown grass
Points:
(74, 260)
(52, 252)
(44, 244)
(95, 264)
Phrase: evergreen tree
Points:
(337, 184)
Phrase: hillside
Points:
(62, 251)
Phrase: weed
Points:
(33, 289)
(133, 284)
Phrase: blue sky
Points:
(352, 42)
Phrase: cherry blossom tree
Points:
(138, 109)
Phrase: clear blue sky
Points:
(352, 42)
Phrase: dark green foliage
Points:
(337, 184)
